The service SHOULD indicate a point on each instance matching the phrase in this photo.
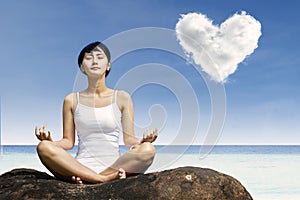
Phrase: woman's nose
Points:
(95, 60)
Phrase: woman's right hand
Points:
(42, 134)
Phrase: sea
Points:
(268, 172)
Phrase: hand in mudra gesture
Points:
(150, 136)
(42, 134)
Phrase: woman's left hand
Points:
(150, 136)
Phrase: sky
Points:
(257, 104)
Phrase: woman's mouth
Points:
(95, 68)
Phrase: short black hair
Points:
(90, 47)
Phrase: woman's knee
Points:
(147, 147)
(45, 148)
(147, 150)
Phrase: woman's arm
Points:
(68, 140)
(127, 119)
(128, 123)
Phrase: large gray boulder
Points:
(180, 183)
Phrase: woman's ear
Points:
(81, 69)
(108, 66)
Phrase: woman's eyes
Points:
(91, 57)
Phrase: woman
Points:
(97, 114)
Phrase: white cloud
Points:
(218, 49)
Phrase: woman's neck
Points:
(97, 86)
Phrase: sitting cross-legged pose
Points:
(97, 114)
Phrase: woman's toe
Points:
(122, 173)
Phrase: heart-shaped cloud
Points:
(218, 50)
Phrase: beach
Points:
(267, 172)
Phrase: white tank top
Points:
(98, 134)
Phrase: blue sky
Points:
(40, 41)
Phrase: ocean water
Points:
(268, 172)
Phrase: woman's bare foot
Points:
(121, 174)
(77, 180)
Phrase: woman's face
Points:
(95, 63)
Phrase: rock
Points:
(180, 183)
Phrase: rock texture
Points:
(180, 183)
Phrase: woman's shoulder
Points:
(70, 101)
(70, 98)
(123, 95)
(123, 99)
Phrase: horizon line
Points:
(178, 145)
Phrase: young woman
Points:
(98, 114)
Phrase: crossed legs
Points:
(63, 165)
(137, 160)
